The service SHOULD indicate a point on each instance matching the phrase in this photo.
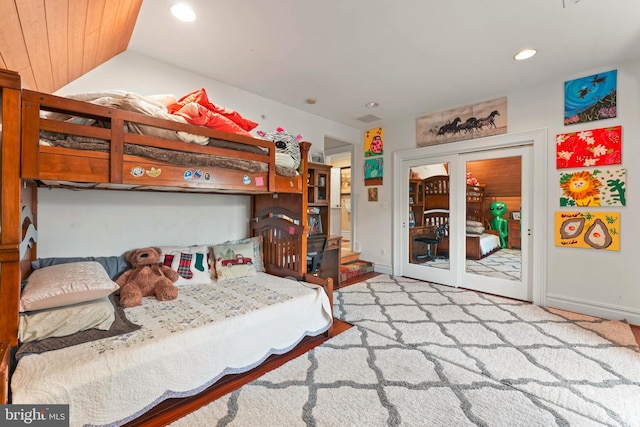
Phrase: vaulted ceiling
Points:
(413, 57)
(53, 42)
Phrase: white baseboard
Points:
(591, 308)
(384, 269)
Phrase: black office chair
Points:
(432, 238)
(316, 245)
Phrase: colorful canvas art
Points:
(373, 171)
(590, 230)
(373, 194)
(598, 187)
(373, 142)
(594, 147)
(590, 98)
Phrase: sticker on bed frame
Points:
(590, 230)
(153, 172)
(197, 175)
(246, 180)
(597, 187)
(137, 172)
(259, 181)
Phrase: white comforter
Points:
(183, 347)
(488, 242)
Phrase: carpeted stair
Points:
(351, 271)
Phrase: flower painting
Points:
(590, 98)
(594, 147)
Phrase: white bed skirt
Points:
(183, 347)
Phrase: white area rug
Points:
(431, 355)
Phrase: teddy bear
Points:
(147, 277)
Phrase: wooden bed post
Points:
(304, 171)
(11, 231)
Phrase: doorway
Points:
(456, 262)
(341, 208)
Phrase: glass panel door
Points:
(428, 239)
(495, 199)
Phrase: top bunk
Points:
(119, 140)
(437, 192)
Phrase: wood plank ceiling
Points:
(53, 42)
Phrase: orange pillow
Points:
(198, 115)
(200, 97)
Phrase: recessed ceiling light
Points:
(183, 12)
(371, 104)
(524, 54)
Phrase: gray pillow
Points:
(114, 265)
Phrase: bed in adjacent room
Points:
(480, 240)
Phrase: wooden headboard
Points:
(436, 200)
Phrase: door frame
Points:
(538, 224)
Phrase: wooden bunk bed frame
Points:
(436, 212)
(26, 165)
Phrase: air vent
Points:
(369, 118)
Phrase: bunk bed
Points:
(480, 240)
(123, 144)
(26, 119)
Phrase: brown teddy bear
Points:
(147, 277)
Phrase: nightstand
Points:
(514, 234)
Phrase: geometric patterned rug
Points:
(422, 354)
(503, 264)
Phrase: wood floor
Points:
(636, 332)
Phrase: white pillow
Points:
(256, 241)
(234, 260)
(475, 230)
(192, 263)
(66, 284)
(285, 161)
(471, 223)
(63, 321)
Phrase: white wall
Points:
(595, 282)
(102, 223)
(94, 223)
(602, 283)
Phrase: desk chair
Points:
(316, 245)
(432, 238)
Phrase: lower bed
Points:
(479, 246)
(183, 347)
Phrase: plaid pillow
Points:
(191, 263)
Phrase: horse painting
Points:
(488, 121)
(462, 123)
